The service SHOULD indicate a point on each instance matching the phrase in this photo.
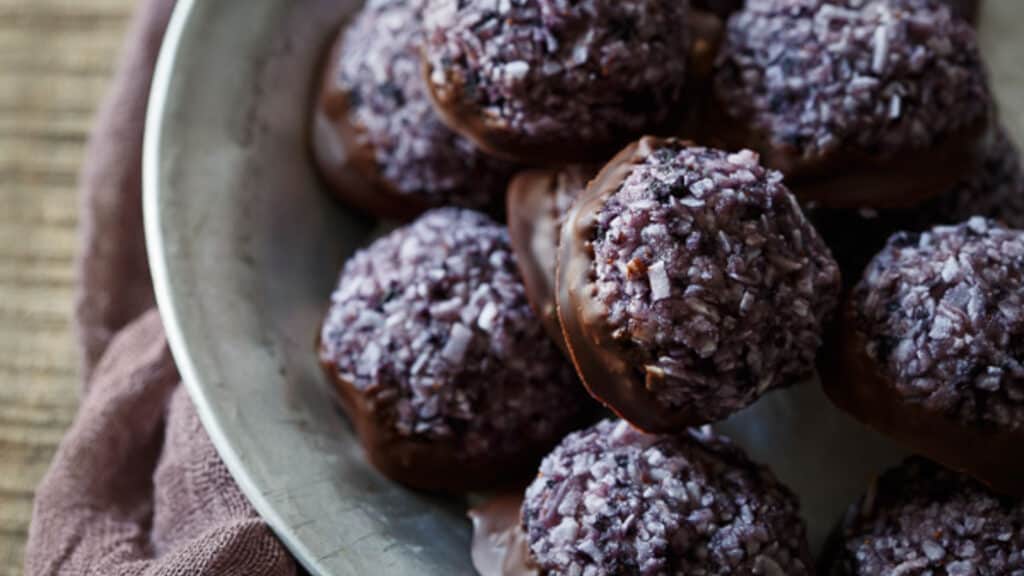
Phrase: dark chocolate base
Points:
(499, 543)
(438, 466)
(534, 222)
(499, 141)
(853, 179)
(855, 383)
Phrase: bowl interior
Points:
(245, 246)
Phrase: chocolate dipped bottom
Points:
(500, 546)
(928, 352)
(993, 188)
(538, 201)
(861, 104)
(672, 268)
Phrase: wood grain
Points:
(56, 59)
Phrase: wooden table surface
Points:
(56, 59)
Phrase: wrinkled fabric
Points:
(136, 487)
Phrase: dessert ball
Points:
(994, 188)
(922, 519)
(613, 500)
(439, 361)
(674, 267)
(538, 201)
(932, 346)
(552, 81)
(861, 103)
(376, 137)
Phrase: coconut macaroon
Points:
(932, 345)
(538, 201)
(613, 500)
(376, 137)
(439, 361)
(551, 81)
(861, 103)
(674, 267)
(993, 188)
(922, 519)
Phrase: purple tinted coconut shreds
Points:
(943, 313)
(613, 500)
(879, 76)
(712, 276)
(995, 190)
(554, 70)
(416, 153)
(431, 324)
(921, 519)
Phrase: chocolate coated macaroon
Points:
(931, 348)
(538, 201)
(376, 137)
(613, 500)
(442, 367)
(860, 103)
(673, 269)
(921, 519)
(548, 81)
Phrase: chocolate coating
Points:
(499, 543)
(439, 360)
(673, 268)
(840, 94)
(549, 81)
(993, 188)
(538, 201)
(613, 500)
(929, 349)
(922, 519)
(376, 136)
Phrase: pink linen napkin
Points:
(136, 487)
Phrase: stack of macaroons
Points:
(678, 282)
